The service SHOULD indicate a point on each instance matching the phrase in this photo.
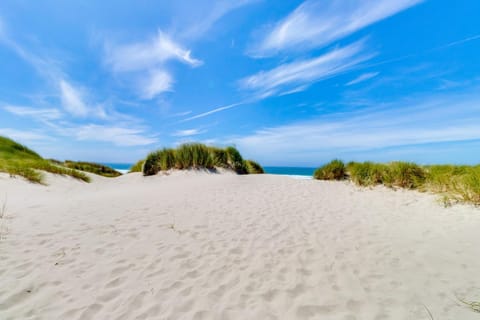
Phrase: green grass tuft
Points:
(334, 170)
(253, 167)
(18, 160)
(193, 155)
(10, 149)
(219, 157)
(235, 160)
(137, 167)
(368, 173)
(453, 183)
(91, 167)
(196, 156)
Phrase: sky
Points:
(289, 83)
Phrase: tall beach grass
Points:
(196, 156)
(18, 160)
(456, 183)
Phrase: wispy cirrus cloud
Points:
(23, 135)
(219, 109)
(72, 100)
(296, 75)
(423, 120)
(153, 52)
(317, 23)
(47, 114)
(119, 135)
(362, 77)
(208, 13)
(147, 62)
(72, 97)
(187, 133)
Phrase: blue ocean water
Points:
(121, 167)
(299, 172)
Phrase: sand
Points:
(221, 246)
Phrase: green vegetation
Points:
(219, 157)
(235, 160)
(193, 155)
(95, 168)
(137, 167)
(18, 160)
(253, 167)
(473, 305)
(334, 170)
(366, 173)
(10, 149)
(196, 156)
(453, 183)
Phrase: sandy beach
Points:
(194, 245)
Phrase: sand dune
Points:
(222, 246)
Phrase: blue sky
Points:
(288, 82)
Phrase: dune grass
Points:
(196, 156)
(91, 167)
(235, 160)
(10, 149)
(253, 167)
(30, 169)
(453, 182)
(193, 155)
(137, 167)
(18, 160)
(334, 170)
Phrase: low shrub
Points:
(334, 170)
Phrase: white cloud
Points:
(72, 100)
(146, 62)
(304, 72)
(148, 54)
(187, 133)
(39, 114)
(158, 81)
(204, 114)
(118, 135)
(316, 23)
(207, 14)
(362, 77)
(433, 119)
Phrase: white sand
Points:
(205, 246)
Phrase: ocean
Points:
(294, 172)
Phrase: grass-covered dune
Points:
(18, 160)
(456, 183)
(196, 156)
(92, 167)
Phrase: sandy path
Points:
(202, 246)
